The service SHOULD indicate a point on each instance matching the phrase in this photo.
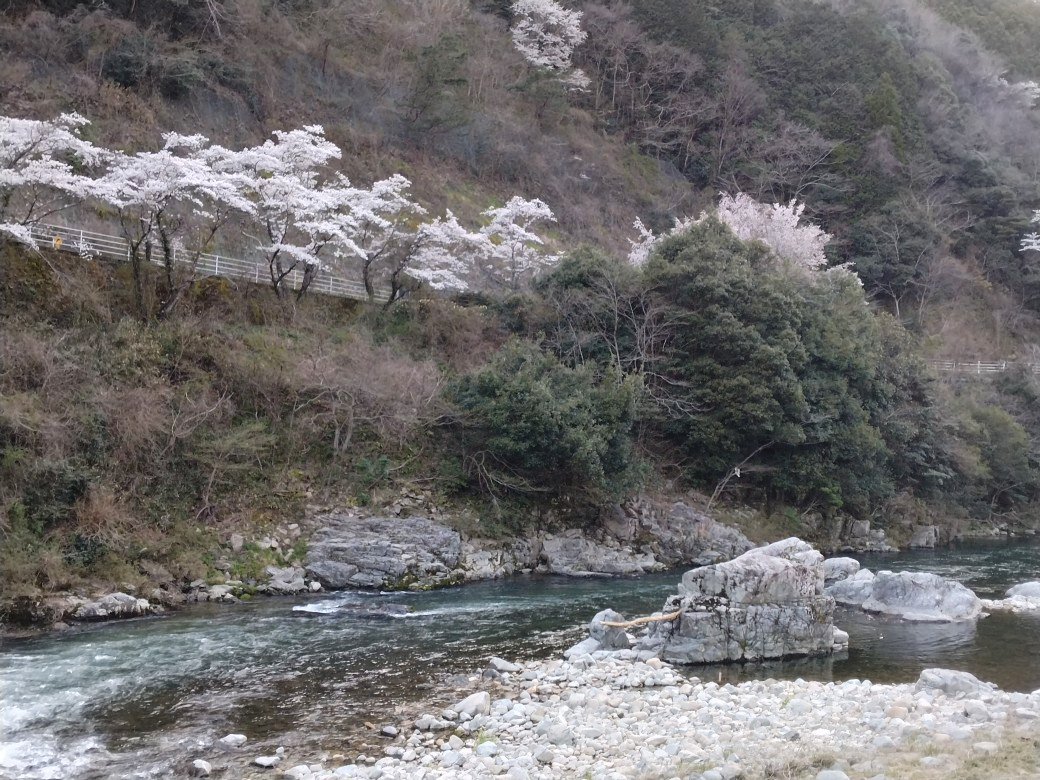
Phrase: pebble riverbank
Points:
(617, 719)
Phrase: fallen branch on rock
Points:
(644, 620)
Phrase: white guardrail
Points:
(88, 243)
(981, 366)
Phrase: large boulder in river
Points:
(609, 637)
(767, 603)
(922, 597)
(853, 590)
(391, 553)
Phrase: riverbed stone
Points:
(853, 590)
(501, 665)
(474, 704)
(268, 762)
(609, 637)
(234, 740)
(922, 597)
(201, 768)
(1028, 590)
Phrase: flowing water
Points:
(138, 698)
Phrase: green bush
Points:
(530, 424)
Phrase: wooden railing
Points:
(89, 243)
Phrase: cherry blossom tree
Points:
(517, 252)
(647, 239)
(777, 226)
(302, 210)
(44, 169)
(448, 253)
(1031, 241)
(546, 34)
(387, 234)
(797, 245)
(165, 196)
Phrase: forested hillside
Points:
(140, 425)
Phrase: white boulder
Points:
(836, 569)
(854, 590)
(952, 683)
(922, 597)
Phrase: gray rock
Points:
(952, 683)
(925, 536)
(450, 758)
(544, 755)
(388, 731)
(584, 647)
(383, 552)
(200, 768)
(234, 740)
(854, 590)
(837, 569)
(766, 603)
(111, 607)
(286, 580)
(831, 774)
(267, 762)
(477, 703)
(486, 749)
(237, 542)
(609, 637)
(681, 535)
(922, 597)
(573, 554)
(860, 529)
(331, 575)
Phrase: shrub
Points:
(532, 425)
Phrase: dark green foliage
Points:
(736, 355)
(436, 102)
(530, 424)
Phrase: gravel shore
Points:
(616, 718)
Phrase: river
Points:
(137, 698)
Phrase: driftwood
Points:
(644, 620)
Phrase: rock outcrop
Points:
(767, 603)
(575, 555)
(414, 552)
(383, 552)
